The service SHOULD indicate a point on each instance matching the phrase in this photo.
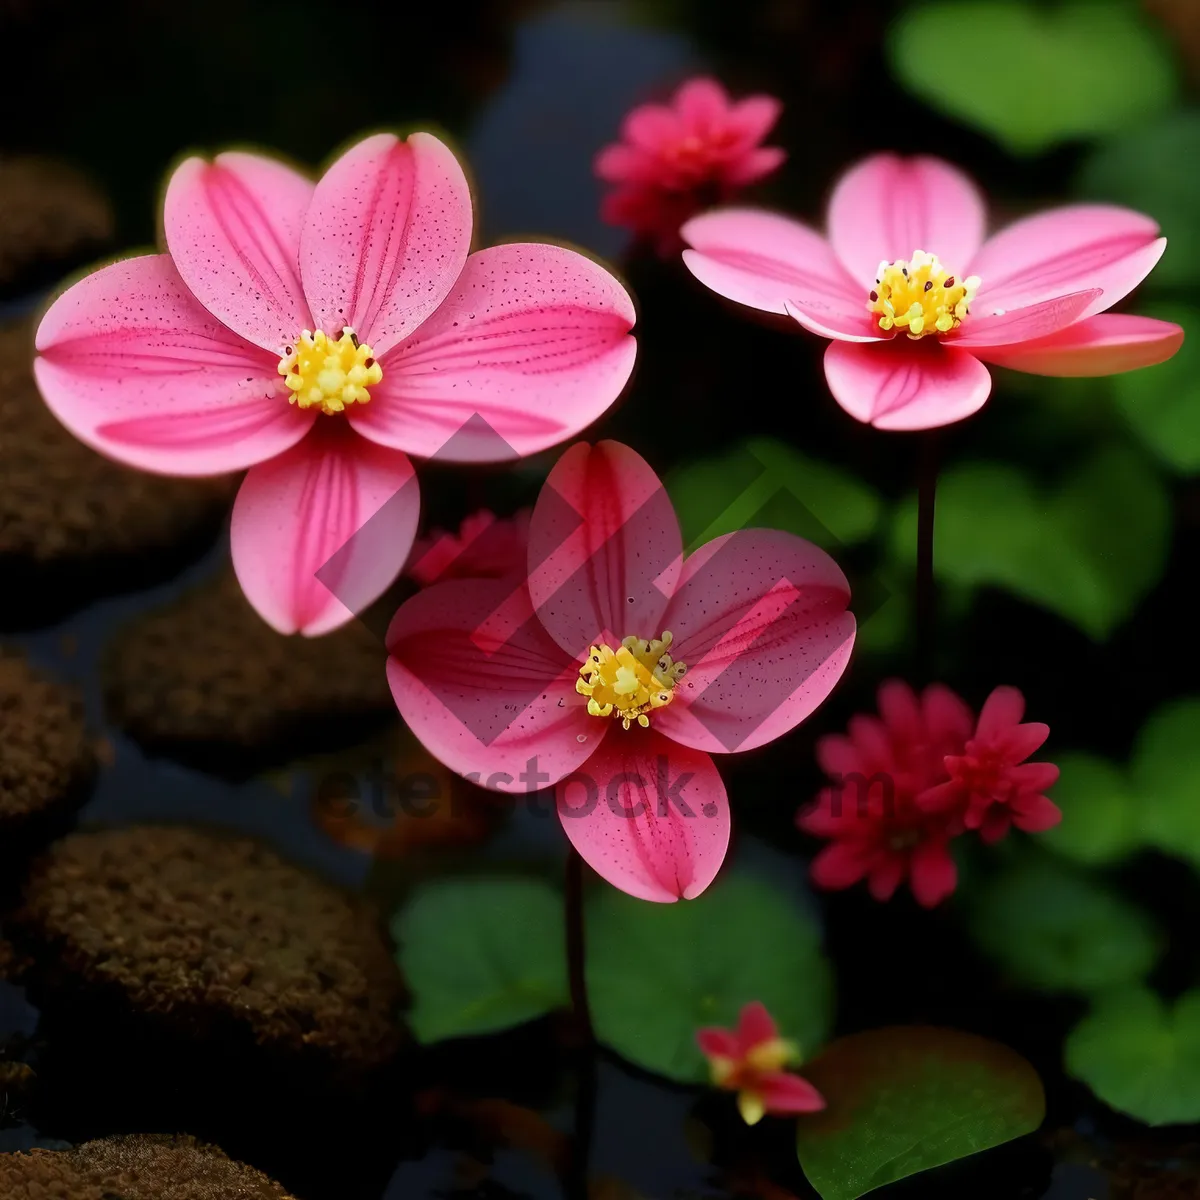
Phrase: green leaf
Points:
(1165, 776)
(481, 955)
(907, 1099)
(659, 972)
(1089, 551)
(766, 483)
(1055, 929)
(1100, 815)
(1162, 403)
(1032, 77)
(1154, 171)
(1141, 1056)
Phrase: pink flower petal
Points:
(933, 873)
(765, 260)
(1103, 345)
(1024, 740)
(320, 532)
(1068, 249)
(233, 228)
(619, 163)
(605, 551)
(841, 864)
(1034, 777)
(386, 235)
(135, 368)
(760, 618)
(650, 817)
(718, 1043)
(503, 712)
(994, 327)
(755, 1025)
(651, 126)
(754, 165)
(530, 347)
(1035, 814)
(905, 385)
(901, 711)
(886, 876)
(754, 117)
(702, 103)
(947, 715)
(1002, 710)
(783, 1094)
(886, 207)
(841, 322)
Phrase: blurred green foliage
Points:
(903, 1100)
(1141, 1055)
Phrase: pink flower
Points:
(485, 547)
(879, 768)
(906, 255)
(990, 783)
(319, 334)
(675, 159)
(616, 668)
(750, 1060)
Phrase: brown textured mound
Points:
(205, 680)
(216, 936)
(46, 760)
(51, 218)
(74, 525)
(133, 1168)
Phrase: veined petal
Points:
(320, 532)
(136, 368)
(233, 229)
(765, 260)
(647, 815)
(905, 385)
(501, 710)
(386, 236)
(999, 327)
(605, 550)
(886, 207)
(1103, 345)
(760, 618)
(530, 347)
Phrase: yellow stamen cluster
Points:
(630, 682)
(326, 374)
(920, 296)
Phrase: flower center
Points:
(630, 682)
(920, 296)
(326, 374)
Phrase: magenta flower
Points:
(319, 334)
(617, 668)
(915, 302)
(752, 1060)
(675, 159)
(878, 769)
(485, 547)
(990, 783)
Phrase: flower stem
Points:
(585, 1104)
(927, 473)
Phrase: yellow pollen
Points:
(629, 683)
(326, 374)
(773, 1055)
(920, 296)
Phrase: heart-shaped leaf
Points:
(1165, 776)
(1154, 171)
(906, 1099)
(659, 972)
(1032, 77)
(481, 955)
(765, 482)
(1141, 1056)
(1100, 815)
(1162, 403)
(1055, 929)
(1089, 551)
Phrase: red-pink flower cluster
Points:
(924, 771)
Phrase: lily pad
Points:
(765, 482)
(659, 972)
(906, 1099)
(1055, 929)
(1033, 77)
(1101, 818)
(1088, 551)
(1154, 170)
(481, 955)
(1165, 776)
(1162, 403)
(1141, 1055)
